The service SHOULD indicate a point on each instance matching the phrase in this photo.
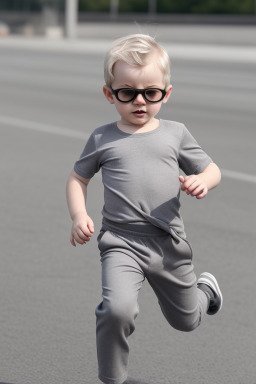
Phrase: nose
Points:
(139, 99)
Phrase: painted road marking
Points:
(238, 176)
(40, 127)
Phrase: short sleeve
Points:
(192, 159)
(88, 163)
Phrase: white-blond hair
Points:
(136, 50)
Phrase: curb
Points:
(217, 53)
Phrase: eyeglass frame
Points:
(138, 92)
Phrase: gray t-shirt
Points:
(140, 172)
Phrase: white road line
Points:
(39, 127)
(54, 130)
(238, 176)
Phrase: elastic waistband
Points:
(145, 229)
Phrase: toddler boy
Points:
(142, 233)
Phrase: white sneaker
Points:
(216, 299)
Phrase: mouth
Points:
(139, 112)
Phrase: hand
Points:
(194, 185)
(82, 229)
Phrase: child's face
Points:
(138, 112)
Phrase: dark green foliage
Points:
(206, 6)
(163, 6)
(29, 5)
(133, 6)
(20, 5)
(173, 6)
(94, 5)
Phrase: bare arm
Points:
(76, 191)
(199, 185)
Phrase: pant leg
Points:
(172, 277)
(121, 281)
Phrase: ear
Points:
(108, 94)
(168, 94)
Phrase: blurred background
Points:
(51, 99)
(30, 17)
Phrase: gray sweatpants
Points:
(129, 254)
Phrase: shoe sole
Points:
(208, 279)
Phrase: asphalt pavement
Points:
(50, 100)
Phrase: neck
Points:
(133, 129)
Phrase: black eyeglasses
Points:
(152, 95)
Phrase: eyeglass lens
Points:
(151, 94)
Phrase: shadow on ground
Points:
(132, 381)
(13, 383)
